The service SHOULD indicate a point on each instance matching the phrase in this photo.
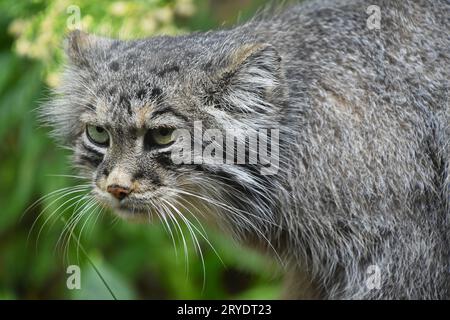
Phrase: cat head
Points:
(126, 107)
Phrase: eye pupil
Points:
(159, 137)
(164, 131)
(97, 135)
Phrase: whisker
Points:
(70, 190)
(71, 232)
(90, 214)
(185, 247)
(56, 192)
(203, 234)
(65, 234)
(59, 213)
(193, 237)
(235, 212)
(166, 225)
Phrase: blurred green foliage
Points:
(136, 261)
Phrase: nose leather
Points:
(119, 192)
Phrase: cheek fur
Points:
(101, 183)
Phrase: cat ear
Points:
(252, 76)
(80, 45)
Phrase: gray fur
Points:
(364, 118)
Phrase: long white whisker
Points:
(74, 225)
(203, 232)
(166, 225)
(93, 211)
(238, 214)
(59, 197)
(53, 193)
(194, 239)
(56, 211)
(185, 247)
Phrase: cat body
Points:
(359, 207)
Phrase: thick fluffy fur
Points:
(364, 119)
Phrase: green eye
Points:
(162, 136)
(97, 135)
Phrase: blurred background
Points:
(116, 258)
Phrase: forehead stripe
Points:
(92, 150)
(91, 159)
(171, 110)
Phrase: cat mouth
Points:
(134, 214)
(132, 210)
(127, 208)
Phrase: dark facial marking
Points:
(114, 66)
(140, 94)
(172, 68)
(92, 150)
(133, 132)
(105, 171)
(150, 175)
(156, 93)
(168, 109)
(164, 159)
(90, 160)
(138, 175)
(125, 102)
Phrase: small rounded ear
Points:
(252, 66)
(75, 46)
(79, 46)
(260, 55)
(252, 75)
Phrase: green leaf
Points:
(92, 286)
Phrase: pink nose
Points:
(119, 192)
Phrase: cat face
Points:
(122, 104)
